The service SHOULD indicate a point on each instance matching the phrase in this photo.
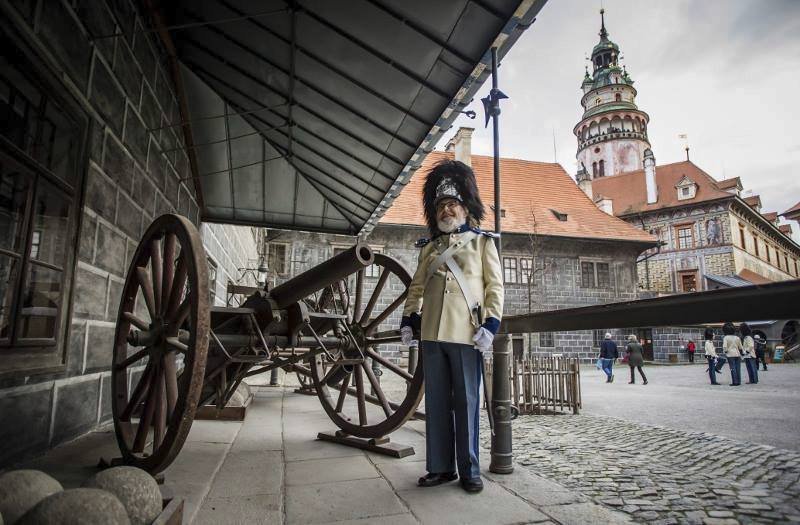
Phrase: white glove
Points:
(407, 336)
(483, 339)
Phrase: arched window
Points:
(602, 170)
(618, 97)
(594, 169)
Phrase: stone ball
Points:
(77, 507)
(20, 490)
(135, 488)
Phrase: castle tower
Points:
(612, 134)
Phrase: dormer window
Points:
(687, 189)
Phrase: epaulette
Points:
(493, 235)
(421, 242)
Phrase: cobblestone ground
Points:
(660, 475)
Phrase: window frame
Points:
(507, 269)
(685, 226)
(523, 277)
(547, 340)
(33, 356)
(595, 274)
(287, 248)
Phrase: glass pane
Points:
(14, 186)
(8, 277)
(50, 224)
(41, 300)
(35, 124)
(603, 279)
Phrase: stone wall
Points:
(135, 169)
(230, 249)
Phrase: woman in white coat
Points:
(732, 347)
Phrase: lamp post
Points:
(501, 453)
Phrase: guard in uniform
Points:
(455, 301)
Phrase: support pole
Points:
(502, 456)
(501, 453)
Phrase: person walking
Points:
(690, 349)
(608, 353)
(711, 355)
(732, 348)
(455, 300)
(635, 358)
(749, 354)
(761, 351)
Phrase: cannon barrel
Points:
(322, 275)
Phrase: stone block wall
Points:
(135, 169)
(230, 248)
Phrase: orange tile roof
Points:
(786, 229)
(793, 210)
(753, 201)
(771, 216)
(753, 277)
(628, 191)
(729, 183)
(529, 191)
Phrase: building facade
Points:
(90, 155)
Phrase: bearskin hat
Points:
(442, 177)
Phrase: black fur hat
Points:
(463, 178)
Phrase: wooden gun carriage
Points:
(174, 352)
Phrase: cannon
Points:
(174, 352)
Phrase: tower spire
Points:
(603, 32)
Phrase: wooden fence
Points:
(544, 384)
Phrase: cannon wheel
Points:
(346, 401)
(166, 289)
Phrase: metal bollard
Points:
(502, 457)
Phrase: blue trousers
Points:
(736, 370)
(712, 371)
(452, 405)
(752, 370)
(608, 367)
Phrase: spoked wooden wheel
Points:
(349, 390)
(166, 291)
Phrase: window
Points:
(546, 340)
(212, 279)
(525, 269)
(597, 337)
(278, 258)
(689, 282)
(766, 250)
(685, 237)
(618, 97)
(601, 168)
(595, 275)
(786, 262)
(755, 245)
(40, 143)
(594, 169)
(685, 192)
(741, 236)
(509, 269)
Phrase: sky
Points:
(724, 72)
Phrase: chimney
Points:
(605, 204)
(584, 181)
(650, 176)
(461, 144)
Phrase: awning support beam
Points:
(347, 107)
(197, 67)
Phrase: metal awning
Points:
(313, 114)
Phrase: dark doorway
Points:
(645, 336)
(518, 346)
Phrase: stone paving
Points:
(660, 475)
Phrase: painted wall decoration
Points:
(713, 231)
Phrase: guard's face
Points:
(450, 209)
(450, 214)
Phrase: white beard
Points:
(447, 225)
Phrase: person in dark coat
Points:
(608, 353)
(761, 351)
(635, 358)
(711, 356)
